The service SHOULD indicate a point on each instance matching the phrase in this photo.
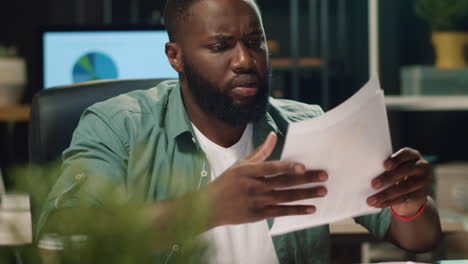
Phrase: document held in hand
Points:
(350, 142)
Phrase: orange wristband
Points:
(409, 218)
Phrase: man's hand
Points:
(409, 179)
(252, 189)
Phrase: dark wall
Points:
(20, 24)
(21, 21)
(415, 42)
(404, 38)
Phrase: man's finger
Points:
(400, 173)
(416, 195)
(291, 195)
(400, 157)
(270, 169)
(284, 210)
(399, 190)
(288, 180)
(262, 152)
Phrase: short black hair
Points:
(176, 12)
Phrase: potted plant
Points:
(448, 20)
(12, 76)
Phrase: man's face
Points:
(225, 60)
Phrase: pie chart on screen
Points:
(94, 66)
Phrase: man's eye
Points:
(255, 43)
(218, 47)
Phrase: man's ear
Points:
(174, 54)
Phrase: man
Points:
(217, 132)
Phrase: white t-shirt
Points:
(245, 243)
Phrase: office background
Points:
(342, 59)
(404, 40)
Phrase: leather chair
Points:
(55, 113)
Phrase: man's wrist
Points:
(409, 211)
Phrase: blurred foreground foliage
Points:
(119, 232)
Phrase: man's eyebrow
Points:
(221, 37)
(224, 37)
(256, 32)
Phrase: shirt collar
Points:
(178, 122)
(263, 126)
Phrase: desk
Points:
(15, 113)
(347, 234)
(349, 227)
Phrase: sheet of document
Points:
(351, 143)
(15, 220)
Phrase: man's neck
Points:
(214, 129)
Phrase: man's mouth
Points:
(246, 90)
(245, 86)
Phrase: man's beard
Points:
(221, 105)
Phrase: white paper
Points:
(15, 220)
(350, 142)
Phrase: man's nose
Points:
(242, 60)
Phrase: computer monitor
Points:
(77, 54)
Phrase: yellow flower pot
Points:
(450, 49)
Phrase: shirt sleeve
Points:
(377, 224)
(97, 157)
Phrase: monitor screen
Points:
(84, 55)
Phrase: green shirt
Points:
(140, 139)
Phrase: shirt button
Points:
(79, 176)
(204, 173)
(175, 248)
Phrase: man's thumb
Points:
(262, 152)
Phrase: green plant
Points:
(444, 15)
(120, 231)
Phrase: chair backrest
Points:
(55, 113)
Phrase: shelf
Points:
(288, 63)
(15, 113)
(427, 103)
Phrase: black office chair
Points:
(56, 111)
(55, 114)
